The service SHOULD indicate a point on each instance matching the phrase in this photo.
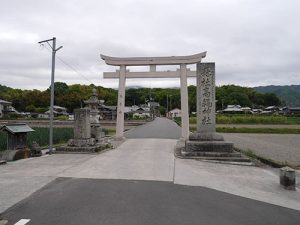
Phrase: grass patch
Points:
(109, 131)
(193, 120)
(41, 136)
(258, 130)
(254, 130)
(293, 120)
(252, 119)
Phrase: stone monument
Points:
(82, 129)
(206, 143)
(83, 140)
(93, 103)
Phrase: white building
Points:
(233, 109)
(174, 113)
(6, 107)
(58, 111)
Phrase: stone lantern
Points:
(92, 103)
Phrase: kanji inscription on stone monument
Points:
(206, 97)
(82, 125)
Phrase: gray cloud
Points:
(252, 42)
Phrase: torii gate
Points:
(152, 62)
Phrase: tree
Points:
(271, 99)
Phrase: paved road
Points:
(159, 128)
(141, 182)
(112, 202)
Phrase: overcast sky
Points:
(253, 42)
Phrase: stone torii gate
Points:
(152, 62)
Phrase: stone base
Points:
(86, 149)
(207, 136)
(211, 146)
(90, 142)
(208, 146)
(105, 144)
(11, 155)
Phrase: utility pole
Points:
(167, 106)
(54, 50)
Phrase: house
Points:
(256, 111)
(154, 108)
(174, 113)
(246, 109)
(6, 108)
(141, 113)
(271, 110)
(3, 107)
(153, 104)
(291, 111)
(233, 109)
(58, 111)
(43, 115)
(107, 112)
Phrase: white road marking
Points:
(22, 222)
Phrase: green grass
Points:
(110, 131)
(252, 119)
(258, 130)
(293, 120)
(254, 130)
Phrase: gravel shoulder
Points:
(278, 147)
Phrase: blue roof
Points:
(294, 108)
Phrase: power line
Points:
(70, 66)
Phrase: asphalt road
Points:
(87, 201)
(141, 182)
(159, 128)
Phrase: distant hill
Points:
(289, 94)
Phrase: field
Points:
(41, 136)
(252, 119)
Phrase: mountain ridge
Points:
(288, 94)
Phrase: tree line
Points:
(72, 96)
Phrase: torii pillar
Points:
(121, 103)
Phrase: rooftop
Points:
(16, 128)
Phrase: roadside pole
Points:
(54, 50)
